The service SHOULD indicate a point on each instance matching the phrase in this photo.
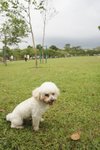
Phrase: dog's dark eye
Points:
(53, 93)
(47, 95)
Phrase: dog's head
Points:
(47, 92)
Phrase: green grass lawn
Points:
(77, 108)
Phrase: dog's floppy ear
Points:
(36, 93)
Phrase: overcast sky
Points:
(76, 23)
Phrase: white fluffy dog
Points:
(34, 107)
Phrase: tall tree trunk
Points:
(32, 34)
(4, 52)
(43, 39)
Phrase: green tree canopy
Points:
(53, 47)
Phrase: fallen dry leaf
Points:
(2, 110)
(75, 136)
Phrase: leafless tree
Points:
(47, 13)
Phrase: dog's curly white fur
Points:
(34, 107)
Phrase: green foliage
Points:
(50, 53)
(39, 5)
(13, 30)
(77, 108)
(53, 47)
(99, 27)
(39, 46)
(15, 27)
(67, 46)
(4, 5)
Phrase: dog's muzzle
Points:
(51, 101)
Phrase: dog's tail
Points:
(9, 117)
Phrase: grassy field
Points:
(77, 108)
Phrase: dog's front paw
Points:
(17, 127)
(36, 128)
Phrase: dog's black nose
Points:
(52, 99)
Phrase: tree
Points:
(47, 13)
(39, 46)
(67, 46)
(99, 27)
(14, 28)
(53, 47)
(16, 8)
(37, 6)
